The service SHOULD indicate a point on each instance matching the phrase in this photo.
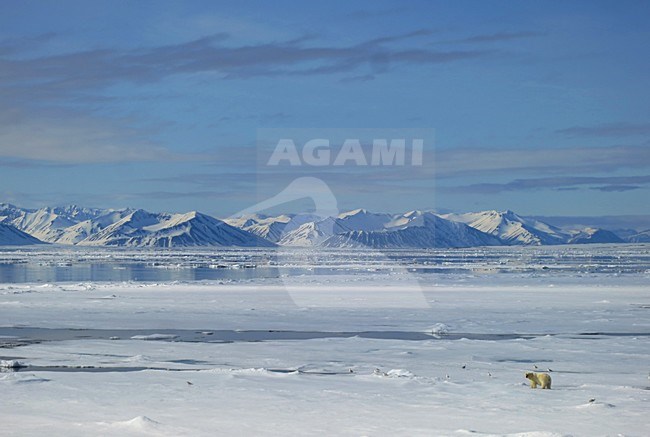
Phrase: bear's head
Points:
(529, 375)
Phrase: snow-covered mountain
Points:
(44, 224)
(313, 233)
(144, 229)
(592, 236)
(308, 230)
(65, 225)
(125, 227)
(641, 237)
(272, 228)
(433, 231)
(408, 219)
(75, 225)
(359, 228)
(82, 230)
(362, 220)
(511, 228)
(10, 236)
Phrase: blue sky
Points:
(538, 107)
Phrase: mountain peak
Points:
(354, 212)
(509, 213)
(191, 215)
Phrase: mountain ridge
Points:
(76, 225)
(10, 236)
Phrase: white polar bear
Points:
(541, 379)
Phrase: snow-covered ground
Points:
(385, 352)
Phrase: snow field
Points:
(157, 385)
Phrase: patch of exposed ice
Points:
(394, 373)
(152, 337)
(438, 329)
(137, 424)
(400, 373)
(11, 364)
(252, 371)
(138, 359)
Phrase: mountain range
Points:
(74, 225)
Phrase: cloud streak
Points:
(101, 67)
(447, 164)
(614, 183)
(616, 188)
(607, 130)
(459, 162)
(500, 36)
(34, 90)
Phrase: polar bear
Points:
(542, 379)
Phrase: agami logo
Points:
(320, 152)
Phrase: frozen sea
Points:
(109, 341)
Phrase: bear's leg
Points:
(533, 384)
